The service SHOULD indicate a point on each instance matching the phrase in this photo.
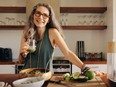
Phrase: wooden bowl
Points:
(46, 74)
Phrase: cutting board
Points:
(97, 82)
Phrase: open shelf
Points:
(12, 9)
(95, 62)
(3, 27)
(83, 9)
(84, 27)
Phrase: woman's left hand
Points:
(99, 73)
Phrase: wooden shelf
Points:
(84, 27)
(12, 9)
(83, 9)
(95, 62)
(3, 27)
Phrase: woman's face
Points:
(41, 17)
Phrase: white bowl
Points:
(47, 75)
(29, 82)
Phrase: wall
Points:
(54, 3)
(10, 38)
(82, 3)
(114, 19)
(95, 40)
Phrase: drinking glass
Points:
(31, 45)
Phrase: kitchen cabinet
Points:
(12, 17)
(98, 66)
(7, 69)
(87, 24)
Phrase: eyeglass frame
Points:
(38, 14)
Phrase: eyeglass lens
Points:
(44, 15)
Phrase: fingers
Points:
(24, 51)
(23, 54)
(99, 73)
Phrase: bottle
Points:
(111, 63)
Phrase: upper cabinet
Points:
(12, 14)
(86, 18)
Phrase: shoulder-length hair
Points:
(53, 22)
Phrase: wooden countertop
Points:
(86, 62)
(95, 62)
(98, 82)
(8, 62)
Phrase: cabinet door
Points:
(75, 69)
(96, 67)
(7, 69)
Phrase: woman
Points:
(44, 28)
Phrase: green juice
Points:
(31, 49)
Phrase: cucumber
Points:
(81, 79)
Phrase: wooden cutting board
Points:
(97, 82)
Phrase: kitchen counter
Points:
(92, 83)
(8, 62)
(97, 82)
(86, 62)
(10, 77)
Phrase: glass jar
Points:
(111, 63)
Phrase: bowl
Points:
(45, 74)
(29, 82)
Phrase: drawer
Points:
(96, 67)
(7, 69)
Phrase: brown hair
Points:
(53, 23)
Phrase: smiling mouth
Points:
(38, 21)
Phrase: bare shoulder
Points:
(53, 35)
(53, 32)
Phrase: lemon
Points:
(90, 75)
(75, 75)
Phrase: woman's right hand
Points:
(24, 49)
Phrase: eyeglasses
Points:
(38, 14)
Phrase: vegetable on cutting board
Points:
(77, 76)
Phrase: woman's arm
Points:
(59, 41)
(23, 50)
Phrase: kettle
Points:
(111, 63)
